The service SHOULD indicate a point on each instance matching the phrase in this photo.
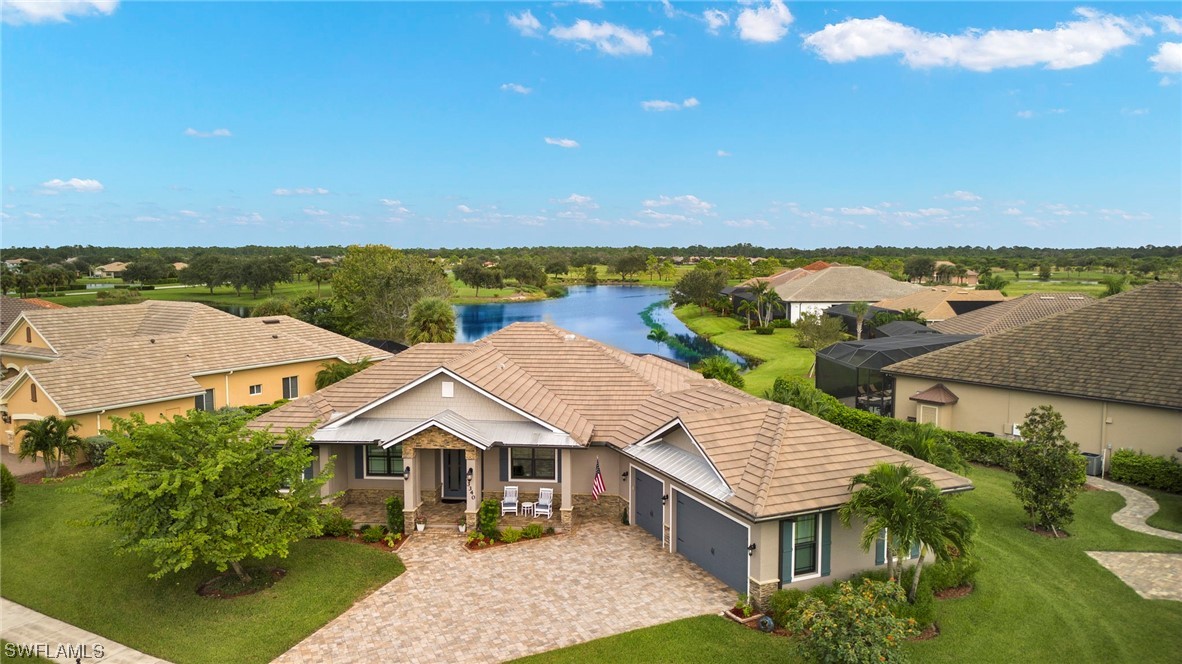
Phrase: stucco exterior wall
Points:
(427, 400)
(237, 384)
(1093, 424)
(846, 556)
(795, 309)
(17, 336)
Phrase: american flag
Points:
(597, 485)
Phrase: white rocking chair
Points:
(509, 501)
(545, 504)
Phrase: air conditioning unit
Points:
(1016, 430)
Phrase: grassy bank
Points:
(1169, 513)
(777, 354)
(71, 572)
(1036, 600)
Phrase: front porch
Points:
(443, 516)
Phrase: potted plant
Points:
(420, 523)
(462, 524)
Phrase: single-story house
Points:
(969, 278)
(115, 269)
(943, 302)
(1111, 368)
(156, 358)
(744, 487)
(16, 264)
(806, 290)
(1012, 313)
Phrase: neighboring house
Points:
(115, 269)
(1012, 313)
(178, 266)
(16, 264)
(969, 278)
(816, 290)
(1110, 368)
(157, 358)
(745, 488)
(943, 302)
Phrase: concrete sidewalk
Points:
(25, 627)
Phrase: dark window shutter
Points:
(787, 541)
(504, 464)
(557, 465)
(826, 524)
(880, 548)
(359, 461)
(308, 472)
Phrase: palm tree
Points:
(759, 293)
(721, 368)
(334, 372)
(747, 307)
(659, 335)
(936, 524)
(883, 502)
(431, 320)
(925, 442)
(859, 309)
(51, 438)
(771, 300)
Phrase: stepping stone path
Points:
(1152, 575)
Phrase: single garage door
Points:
(713, 541)
(649, 512)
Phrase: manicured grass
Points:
(1169, 513)
(1037, 600)
(607, 275)
(19, 658)
(70, 572)
(1016, 288)
(777, 353)
(705, 639)
(222, 295)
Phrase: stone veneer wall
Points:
(527, 496)
(608, 506)
(760, 593)
(367, 496)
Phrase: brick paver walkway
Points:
(24, 626)
(510, 601)
(1152, 575)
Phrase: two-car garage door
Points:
(715, 542)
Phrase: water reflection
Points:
(610, 314)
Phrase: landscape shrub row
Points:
(1132, 467)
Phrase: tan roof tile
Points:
(942, 302)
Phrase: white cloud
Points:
(394, 205)
(1012, 212)
(716, 20)
(1170, 24)
(687, 202)
(962, 196)
(188, 213)
(302, 191)
(525, 23)
(862, 211)
(516, 87)
(1070, 44)
(147, 219)
(933, 212)
(609, 38)
(316, 212)
(1025, 115)
(723, 153)
(764, 24)
(1168, 59)
(17, 12)
(465, 209)
(598, 4)
(79, 185)
(663, 216)
(659, 105)
(563, 142)
(747, 223)
(216, 133)
(580, 201)
(1134, 111)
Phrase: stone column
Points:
(410, 489)
(566, 512)
(472, 502)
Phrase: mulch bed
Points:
(356, 539)
(1047, 532)
(35, 478)
(227, 585)
(473, 546)
(955, 593)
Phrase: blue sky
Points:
(487, 124)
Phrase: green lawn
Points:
(1169, 513)
(778, 353)
(1037, 600)
(69, 571)
(1016, 288)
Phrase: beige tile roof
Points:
(138, 353)
(11, 307)
(935, 302)
(777, 460)
(1123, 349)
(1012, 313)
(843, 283)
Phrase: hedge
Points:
(1132, 467)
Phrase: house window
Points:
(531, 463)
(256, 390)
(204, 401)
(804, 546)
(33, 392)
(291, 387)
(383, 462)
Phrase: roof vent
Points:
(1046, 297)
(151, 341)
(1075, 297)
(274, 336)
(270, 321)
(569, 337)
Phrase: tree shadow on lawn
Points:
(72, 573)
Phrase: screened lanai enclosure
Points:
(852, 370)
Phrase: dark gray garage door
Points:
(717, 544)
(649, 512)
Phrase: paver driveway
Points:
(506, 602)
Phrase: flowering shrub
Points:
(855, 625)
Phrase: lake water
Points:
(610, 314)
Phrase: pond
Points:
(610, 314)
